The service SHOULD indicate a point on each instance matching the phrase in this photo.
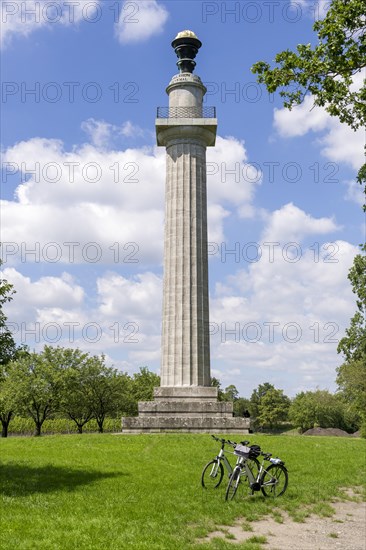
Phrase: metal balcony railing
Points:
(186, 112)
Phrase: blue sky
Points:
(83, 188)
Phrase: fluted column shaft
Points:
(185, 334)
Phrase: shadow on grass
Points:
(18, 480)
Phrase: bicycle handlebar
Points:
(224, 441)
(228, 442)
(266, 455)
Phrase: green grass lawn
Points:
(143, 492)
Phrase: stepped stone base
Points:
(186, 409)
(207, 425)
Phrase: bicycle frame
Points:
(272, 481)
(221, 462)
(222, 458)
(254, 482)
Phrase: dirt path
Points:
(345, 530)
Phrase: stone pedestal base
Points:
(214, 425)
(186, 409)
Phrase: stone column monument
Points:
(185, 401)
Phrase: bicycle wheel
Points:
(274, 480)
(212, 474)
(233, 484)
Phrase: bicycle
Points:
(272, 481)
(213, 471)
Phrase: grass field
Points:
(143, 492)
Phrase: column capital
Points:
(170, 130)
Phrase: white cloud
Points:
(290, 223)
(139, 21)
(277, 320)
(342, 144)
(279, 317)
(316, 10)
(104, 135)
(283, 318)
(216, 215)
(131, 130)
(339, 143)
(124, 315)
(301, 119)
(126, 310)
(46, 293)
(112, 197)
(354, 192)
(138, 298)
(20, 18)
(231, 179)
(94, 194)
(98, 131)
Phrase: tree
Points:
(317, 408)
(8, 347)
(7, 397)
(143, 384)
(242, 407)
(7, 403)
(74, 399)
(351, 375)
(273, 408)
(104, 388)
(351, 380)
(9, 351)
(326, 71)
(256, 398)
(141, 387)
(215, 383)
(35, 384)
(353, 345)
(231, 393)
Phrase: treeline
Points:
(269, 408)
(59, 386)
(22, 426)
(63, 383)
